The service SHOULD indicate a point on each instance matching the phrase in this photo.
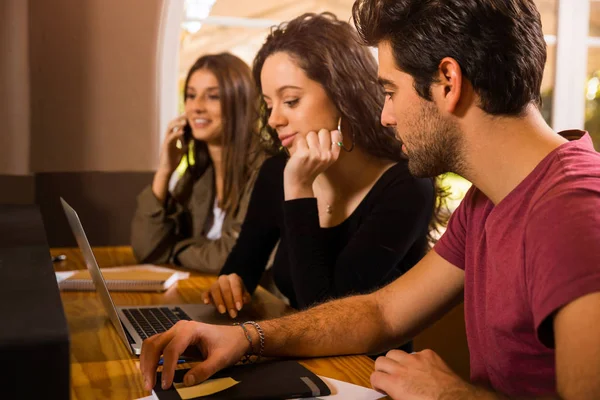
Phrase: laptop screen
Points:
(93, 268)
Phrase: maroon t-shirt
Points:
(534, 252)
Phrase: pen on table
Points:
(180, 361)
(58, 258)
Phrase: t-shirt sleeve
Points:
(561, 253)
(451, 246)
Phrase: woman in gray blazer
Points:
(197, 223)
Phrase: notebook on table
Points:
(265, 380)
(131, 278)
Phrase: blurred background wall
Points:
(79, 109)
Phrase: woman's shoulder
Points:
(273, 165)
(263, 167)
(275, 162)
(191, 181)
(398, 179)
(267, 175)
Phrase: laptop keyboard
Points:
(150, 321)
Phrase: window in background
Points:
(592, 90)
(592, 107)
(194, 12)
(548, 11)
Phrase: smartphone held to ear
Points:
(187, 136)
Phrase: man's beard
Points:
(435, 145)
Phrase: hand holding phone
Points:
(171, 152)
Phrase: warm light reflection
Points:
(195, 10)
(592, 88)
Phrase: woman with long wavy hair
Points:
(339, 198)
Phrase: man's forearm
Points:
(352, 325)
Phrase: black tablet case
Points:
(265, 380)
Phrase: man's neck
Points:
(502, 152)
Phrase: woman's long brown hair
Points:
(239, 113)
(329, 52)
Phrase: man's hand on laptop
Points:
(220, 346)
(227, 294)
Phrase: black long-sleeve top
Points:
(382, 239)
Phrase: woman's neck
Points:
(341, 188)
(353, 172)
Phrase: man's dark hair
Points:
(498, 44)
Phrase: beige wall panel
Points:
(94, 84)
(14, 89)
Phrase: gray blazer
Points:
(175, 232)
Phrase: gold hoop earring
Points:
(341, 142)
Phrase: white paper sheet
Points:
(151, 397)
(61, 276)
(343, 390)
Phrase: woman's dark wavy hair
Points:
(241, 146)
(329, 52)
(499, 45)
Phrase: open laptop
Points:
(136, 323)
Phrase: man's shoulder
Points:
(575, 173)
(568, 194)
(576, 160)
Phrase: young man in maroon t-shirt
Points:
(463, 89)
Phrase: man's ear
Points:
(447, 90)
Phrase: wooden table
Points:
(102, 367)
